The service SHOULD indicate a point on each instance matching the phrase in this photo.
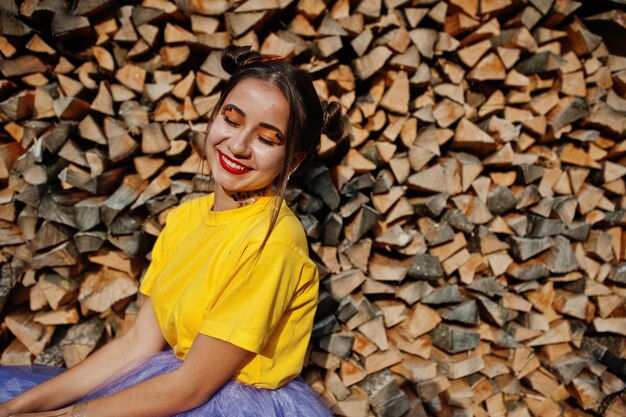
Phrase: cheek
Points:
(278, 162)
(215, 134)
(273, 159)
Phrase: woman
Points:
(230, 287)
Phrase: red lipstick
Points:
(224, 161)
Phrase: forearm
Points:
(79, 380)
(164, 395)
(208, 365)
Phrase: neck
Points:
(227, 199)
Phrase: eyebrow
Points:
(262, 124)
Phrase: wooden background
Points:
(470, 239)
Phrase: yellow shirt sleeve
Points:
(259, 293)
(159, 255)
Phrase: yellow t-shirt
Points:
(205, 277)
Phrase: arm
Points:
(209, 364)
(144, 337)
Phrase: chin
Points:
(229, 185)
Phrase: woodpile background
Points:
(471, 240)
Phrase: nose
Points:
(239, 144)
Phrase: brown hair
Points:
(308, 117)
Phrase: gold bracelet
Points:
(79, 410)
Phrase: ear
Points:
(298, 159)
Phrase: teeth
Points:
(232, 164)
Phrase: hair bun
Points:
(332, 125)
(234, 57)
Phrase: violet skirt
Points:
(234, 399)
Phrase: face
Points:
(245, 145)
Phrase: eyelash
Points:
(231, 121)
(261, 138)
(266, 141)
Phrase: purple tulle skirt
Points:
(234, 399)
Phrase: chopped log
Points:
(344, 283)
(429, 389)
(91, 130)
(454, 339)
(48, 235)
(80, 340)
(339, 344)
(612, 325)
(132, 77)
(382, 268)
(432, 179)
(560, 332)
(100, 290)
(64, 254)
(435, 233)
(104, 58)
(461, 368)
(174, 55)
(57, 290)
(153, 140)
(70, 108)
(567, 111)
(470, 137)
(426, 267)
(367, 65)
(34, 336)
(446, 112)
(363, 221)
(374, 330)
(16, 354)
(488, 68)
(525, 248)
(466, 313)
(24, 65)
(239, 23)
(587, 392)
(65, 315)
(351, 372)
(385, 395)
(10, 26)
(69, 26)
(396, 99)
(422, 320)
(413, 291)
(9, 278)
(444, 295)
(103, 101)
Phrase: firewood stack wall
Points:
(470, 238)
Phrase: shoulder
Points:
(287, 243)
(287, 232)
(284, 263)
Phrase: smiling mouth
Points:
(231, 166)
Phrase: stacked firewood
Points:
(470, 241)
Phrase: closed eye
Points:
(230, 121)
(267, 141)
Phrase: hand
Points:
(63, 412)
